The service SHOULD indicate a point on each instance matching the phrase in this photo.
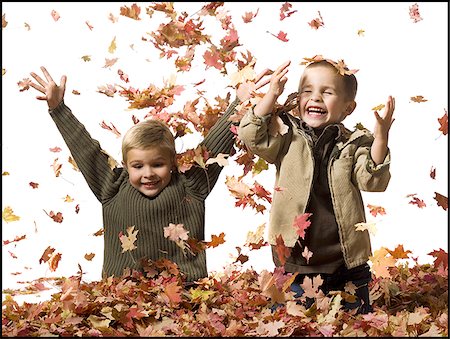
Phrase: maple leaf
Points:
(418, 98)
(127, 241)
(316, 23)
(212, 59)
(281, 36)
(443, 121)
(301, 223)
(58, 217)
(374, 210)
(24, 85)
(441, 258)
(381, 262)
(311, 286)
(282, 251)
(86, 58)
(8, 215)
(414, 13)
(173, 291)
(285, 11)
(249, 16)
(442, 200)
(399, 252)
(245, 74)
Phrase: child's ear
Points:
(350, 107)
(124, 164)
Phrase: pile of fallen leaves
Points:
(412, 301)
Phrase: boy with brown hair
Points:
(321, 169)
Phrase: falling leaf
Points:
(68, 198)
(73, 163)
(112, 46)
(245, 74)
(4, 22)
(58, 217)
(131, 12)
(433, 173)
(361, 32)
(442, 200)
(86, 58)
(89, 256)
(375, 210)
(127, 241)
(316, 23)
(8, 215)
(110, 62)
(399, 252)
(89, 25)
(416, 201)
(414, 13)
(55, 15)
(220, 159)
(441, 258)
(443, 122)
(56, 167)
(418, 98)
(5, 173)
(24, 85)
(378, 108)
(281, 36)
(46, 255)
(249, 16)
(285, 11)
(34, 185)
(369, 226)
(216, 240)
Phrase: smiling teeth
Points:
(316, 110)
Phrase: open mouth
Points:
(316, 111)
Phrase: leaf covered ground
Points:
(411, 301)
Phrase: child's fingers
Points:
(47, 74)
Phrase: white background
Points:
(395, 56)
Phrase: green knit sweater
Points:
(181, 202)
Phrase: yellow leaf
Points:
(112, 47)
(377, 108)
(8, 215)
(247, 73)
(128, 241)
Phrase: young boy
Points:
(148, 192)
(321, 167)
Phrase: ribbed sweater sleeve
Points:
(220, 139)
(87, 153)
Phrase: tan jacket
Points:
(350, 171)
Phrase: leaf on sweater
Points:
(8, 215)
(176, 232)
(127, 241)
(307, 254)
(301, 223)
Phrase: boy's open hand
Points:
(53, 93)
(384, 122)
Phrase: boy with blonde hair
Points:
(147, 193)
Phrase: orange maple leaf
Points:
(216, 240)
(374, 210)
(399, 252)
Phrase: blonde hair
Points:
(147, 134)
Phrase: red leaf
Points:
(443, 121)
(301, 224)
(441, 258)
